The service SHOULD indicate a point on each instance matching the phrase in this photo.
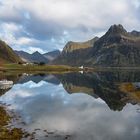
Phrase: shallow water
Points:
(99, 106)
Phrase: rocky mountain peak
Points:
(115, 34)
(116, 29)
(36, 53)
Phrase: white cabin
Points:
(81, 67)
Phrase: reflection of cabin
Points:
(86, 68)
(81, 67)
(5, 84)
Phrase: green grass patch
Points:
(30, 67)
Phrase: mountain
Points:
(7, 55)
(52, 55)
(24, 55)
(75, 52)
(116, 48)
(73, 46)
(35, 57)
(38, 57)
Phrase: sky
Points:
(47, 25)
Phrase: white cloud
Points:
(81, 19)
(8, 31)
(33, 49)
(24, 41)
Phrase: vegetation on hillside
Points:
(7, 55)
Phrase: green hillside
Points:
(7, 55)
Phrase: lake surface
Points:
(76, 106)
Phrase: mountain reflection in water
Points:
(101, 105)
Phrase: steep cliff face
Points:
(73, 46)
(75, 52)
(117, 48)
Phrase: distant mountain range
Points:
(7, 55)
(117, 48)
(52, 55)
(38, 57)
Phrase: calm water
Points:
(88, 106)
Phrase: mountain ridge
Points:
(116, 48)
(37, 57)
(72, 46)
(72, 55)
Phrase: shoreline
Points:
(6, 129)
(9, 129)
(58, 68)
(38, 68)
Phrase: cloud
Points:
(49, 20)
(79, 115)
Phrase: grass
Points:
(37, 68)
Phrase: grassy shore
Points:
(19, 68)
(37, 68)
